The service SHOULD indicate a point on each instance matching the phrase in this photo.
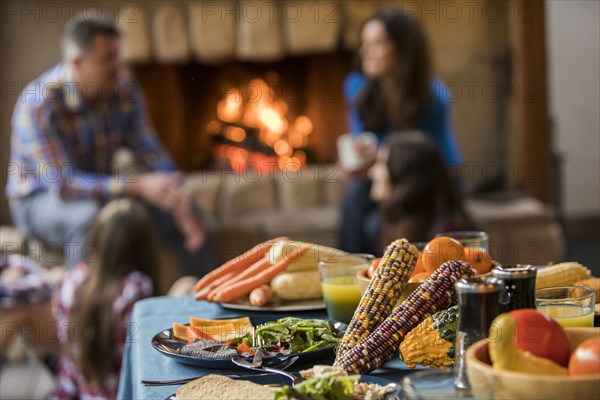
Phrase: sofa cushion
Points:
(298, 190)
(204, 189)
(315, 225)
(521, 231)
(244, 194)
(307, 221)
(236, 234)
(509, 211)
(333, 183)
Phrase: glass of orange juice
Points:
(339, 284)
(570, 306)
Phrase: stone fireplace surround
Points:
(186, 55)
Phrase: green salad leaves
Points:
(300, 334)
(331, 388)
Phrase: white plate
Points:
(276, 305)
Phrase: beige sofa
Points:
(245, 209)
(242, 210)
(522, 230)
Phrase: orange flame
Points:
(256, 106)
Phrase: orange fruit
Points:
(419, 267)
(585, 360)
(479, 259)
(420, 277)
(440, 250)
(372, 267)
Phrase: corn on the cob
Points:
(593, 283)
(435, 294)
(562, 274)
(382, 294)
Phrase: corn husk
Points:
(308, 261)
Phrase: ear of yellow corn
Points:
(382, 294)
(562, 274)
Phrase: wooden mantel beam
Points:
(535, 143)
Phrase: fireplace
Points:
(242, 115)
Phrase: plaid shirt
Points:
(59, 142)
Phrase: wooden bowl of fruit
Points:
(541, 361)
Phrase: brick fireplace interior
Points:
(292, 109)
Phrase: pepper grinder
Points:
(479, 302)
(519, 282)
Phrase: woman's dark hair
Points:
(410, 94)
(423, 196)
(126, 241)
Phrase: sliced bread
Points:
(216, 387)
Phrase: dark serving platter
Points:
(168, 345)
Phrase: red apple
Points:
(541, 335)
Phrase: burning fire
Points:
(254, 109)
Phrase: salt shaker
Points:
(479, 301)
(519, 282)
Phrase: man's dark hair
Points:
(79, 33)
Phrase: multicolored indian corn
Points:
(435, 294)
(382, 294)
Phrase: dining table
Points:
(151, 316)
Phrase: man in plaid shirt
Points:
(67, 126)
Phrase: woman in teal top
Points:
(394, 92)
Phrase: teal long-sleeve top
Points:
(435, 120)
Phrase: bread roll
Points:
(217, 387)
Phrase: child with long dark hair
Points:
(94, 303)
(416, 197)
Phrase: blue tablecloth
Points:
(150, 316)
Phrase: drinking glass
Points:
(339, 284)
(477, 240)
(570, 306)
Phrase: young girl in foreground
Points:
(93, 306)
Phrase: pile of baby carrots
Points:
(242, 274)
